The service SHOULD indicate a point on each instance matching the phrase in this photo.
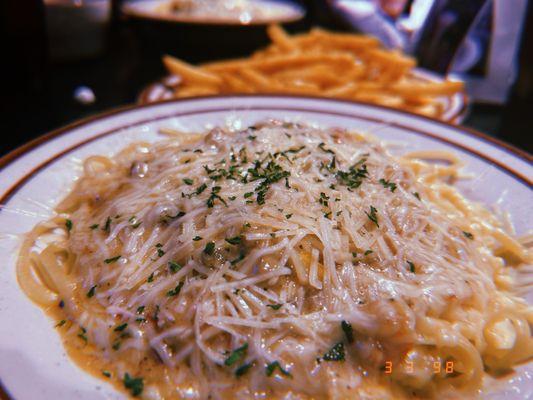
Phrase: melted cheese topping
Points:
(281, 261)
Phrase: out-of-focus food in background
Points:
(243, 11)
(345, 66)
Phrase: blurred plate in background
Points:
(198, 39)
(236, 12)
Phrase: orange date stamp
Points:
(408, 366)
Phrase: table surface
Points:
(118, 75)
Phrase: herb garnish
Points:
(176, 290)
(61, 323)
(106, 374)
(321, 147)
(275, 306)
(336, 353)
(151, 278)
(201, 188)
(209, 248)
(107, 225)
(240, 258)
(270, 368)
(82, 334)
(234, 240)
(121, 327)
(323, 199)
(111, 260)
(366, 253)
(90, 293)
(243, 369)
(236, 355)
(188, 181)
(373, 215)
(197, 238)
(411, 266)
(348, 331)
(288, 216)
(174, 266)
(68, 224)
(354, 176)
(388, 184)
(140, 309)
(213, 196)
(468, 235)
(135, 385)
(416, 195)
(269, 174)
(94, 226)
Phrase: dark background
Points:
(38, 95)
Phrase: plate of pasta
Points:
(252, 247)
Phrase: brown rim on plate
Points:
(130, 12)
(149, 95)
(19, 152)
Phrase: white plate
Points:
(33, 364)
(152, 9)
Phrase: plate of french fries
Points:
(319, 63)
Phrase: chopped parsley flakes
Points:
(209, 248)
(121, 327)
(468, 235)
(234, 240)
(388, 184)
(174, 267)
(353, 178)
(411, 266)
(176, 290)
(60, 323)
(243, 369)
(372, 216)
(348, 331)
(336, 353)
(135, 385)
(91, 291)
(111, 260)
(236, 355)
(270, 368)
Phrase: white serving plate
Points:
(152, 10)
(33, 364)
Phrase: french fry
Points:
(427, 89)
(191, 91)
(258, 80)
(280, 38)
(235, 84)
(279, 62)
